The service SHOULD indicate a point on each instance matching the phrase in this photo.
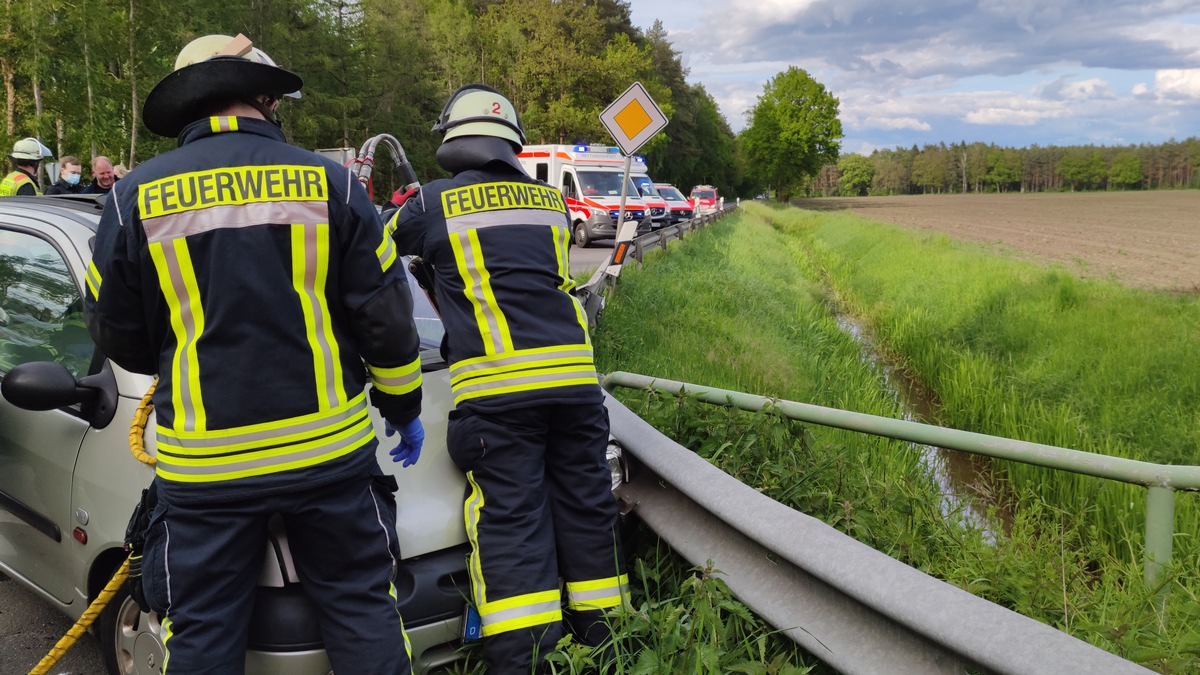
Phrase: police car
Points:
(68, 481)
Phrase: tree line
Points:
(76, 73)
(976, 167)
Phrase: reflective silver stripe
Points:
(612, 594)
(400, 383)
(276, 459)
(483, 219)
(475, 276)
(526, 381)
(93, 279)
(533, 609)
(222, 440)
(183, 389)
(230, 216)
(528, 360)
(325, 364)
(386, 252)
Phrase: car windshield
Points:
(671, 194)
(604, 184)
(429, 324)
(645, 186)
(705, 194)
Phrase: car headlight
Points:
(615, 456)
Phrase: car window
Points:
(41, 311)
(671, 194)
(429, 323)
(568, 186)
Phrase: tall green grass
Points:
(745, 304)
(1017, 350)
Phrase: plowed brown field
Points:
(1149, 239)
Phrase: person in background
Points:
(119, 171)
(26, 155)
(102, 176)
(69, 172)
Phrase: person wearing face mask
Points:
(102, 172)
(69, 172)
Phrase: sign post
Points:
(632, 120)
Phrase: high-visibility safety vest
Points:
(498, 242)
(15, 181)
(254, 279)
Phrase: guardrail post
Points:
(1160, 534)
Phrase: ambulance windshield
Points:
(604, 184)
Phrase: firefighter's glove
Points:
(399, 197)
(412, 437)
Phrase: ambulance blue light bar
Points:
(597, 148)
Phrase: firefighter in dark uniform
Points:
(253, 278)
(529, 426)
(26, 156)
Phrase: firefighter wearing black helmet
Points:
(529, 426)
(253, 278)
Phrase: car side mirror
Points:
(45, 385)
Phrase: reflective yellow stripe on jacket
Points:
(270, 447)
(522, 370)
(399, 380)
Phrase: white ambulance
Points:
(590, 180)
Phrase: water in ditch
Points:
(968, 486)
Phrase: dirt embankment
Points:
(1149, 239)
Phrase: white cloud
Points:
(1178, 84)
(895, 123)
(1006, 116)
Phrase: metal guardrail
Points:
(593, 293)
(854, 608)
(1161, 480)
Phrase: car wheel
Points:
(130, 639)
(582, 239)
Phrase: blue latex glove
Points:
(412, 437)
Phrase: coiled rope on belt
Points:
(137, 446)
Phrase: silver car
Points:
(68, 481)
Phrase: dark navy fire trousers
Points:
(202, 564)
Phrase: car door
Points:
(41, 319)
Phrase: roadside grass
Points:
(746, 305)
(1021, 351)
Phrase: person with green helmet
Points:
(26, 155)
(529, 427)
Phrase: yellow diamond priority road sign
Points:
(633, 118)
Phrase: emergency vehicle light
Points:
(581, 148)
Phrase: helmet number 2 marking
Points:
(496, 108)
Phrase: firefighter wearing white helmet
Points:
(26, 156)
(529, 426)
(253, 278)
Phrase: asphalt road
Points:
(29, 626)
(586, 260)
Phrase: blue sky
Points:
(1010, 72)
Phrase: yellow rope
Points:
(137, 445)
(137, 429)
(89, 615)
